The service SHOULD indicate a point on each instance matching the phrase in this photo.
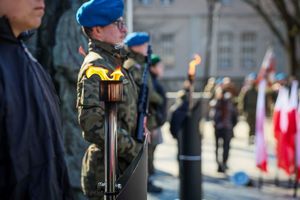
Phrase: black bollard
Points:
(190, 156)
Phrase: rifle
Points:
(143, 98)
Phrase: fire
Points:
(103, 73)
(193, 63)
(117, 74)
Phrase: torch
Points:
(190, 144)
(191, 77)
(111, 93)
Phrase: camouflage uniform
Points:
(135, 66)
(91, 117)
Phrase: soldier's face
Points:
(23, 14)
(141, 49)
(113, 33)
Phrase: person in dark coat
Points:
(32, 164)
(225, 118)
(156, 118)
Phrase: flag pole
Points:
(296, 166)
(276, 180)
(296, 184)
(260, 180)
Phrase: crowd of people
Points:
(228, 105)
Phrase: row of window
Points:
(162, 2)
(168, 2)
(165, 45)
(247, 50)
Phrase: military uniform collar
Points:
(98, 46)
(136, 56)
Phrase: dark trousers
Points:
(224, 136)
(151, 149)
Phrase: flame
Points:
(103, 73)
(193, 63)
(117, 74)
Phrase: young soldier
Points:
(103, 24)
(137, 45)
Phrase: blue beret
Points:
(219, 80)
(136, 38)
(280, 76)
(99, 12)
(252, 76)
(240, 179)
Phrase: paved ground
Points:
(217, 186)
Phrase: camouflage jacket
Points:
(91, 114)
(135, 66)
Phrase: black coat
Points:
(32, 164)
(160, 110)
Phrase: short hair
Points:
(87, 31)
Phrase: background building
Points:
(179, 30)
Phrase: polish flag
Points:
(298, 143)
(260, 147)
(292, 125)
(267, 70)
(265, 74)
(280, 125)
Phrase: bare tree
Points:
(289, 13)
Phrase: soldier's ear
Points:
(97, 32)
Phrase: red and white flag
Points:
(298, 143)
(265, 74)
(280, 125)
(267, 70)
(285, 127)
(260, 143)
(292, 127)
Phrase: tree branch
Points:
(256, 6)
(290, 19)
(296, 17)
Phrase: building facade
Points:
(178, 30)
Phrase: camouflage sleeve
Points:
(91, 118)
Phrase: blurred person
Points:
(32, 158)
(229, 86)
(280, 80)
(225, 118)
(137, 46)
(209, 87)
(179, 110)
(157, 115)
(247, 104)
(69, 36)
(209, 91)
(104, 26)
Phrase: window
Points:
(225, 53)
(166, 2)
(165, 48)
(146, 2)
(225, 2)
(248, 50)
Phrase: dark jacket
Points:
(32, 164)
(159, 110)
(225, 115)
